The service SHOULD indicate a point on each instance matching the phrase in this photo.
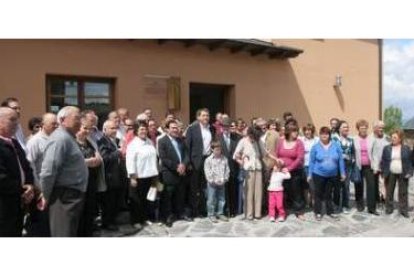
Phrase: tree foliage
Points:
(392, 118)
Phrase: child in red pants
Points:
(275, 191)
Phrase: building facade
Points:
(315, 79)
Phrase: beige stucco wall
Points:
(262, 87)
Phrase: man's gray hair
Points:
(107, 122)
(65, 112)
(377, 123)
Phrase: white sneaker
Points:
(272, 219)
(148, 222)
(281, 219)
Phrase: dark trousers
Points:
(11, 216)
(141, 208)
(37, 224)
(336, 193)
(323, 193)
(368, 175)
(172, 199)
(86, 224)
(124, 190)
(294, 191)
(376, 181)
(110, 204)
(231, 196)
(65, 209)
(390, 183)
(267, 173)
(197, 192)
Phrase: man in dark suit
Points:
(111, 155)
(16, 177)
(228, 143)
(199, 137)
(174, 162)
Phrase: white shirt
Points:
(206, 136)
(276, 181)
(35, 148)
(308, 144)
(396, 163)
(141, 158)
(19, 135)
(226, 136)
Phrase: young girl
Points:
(275, 191)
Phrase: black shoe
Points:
(334, 216)
(186, 218)
(405, 215)
(111, 227)
(375, 213)
(169, 221)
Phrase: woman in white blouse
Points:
(141, 163)
(396, 167)
(309, 139)
(249, 153)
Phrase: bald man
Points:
(112, 157)
(14, 104)
(64, 175)
(16, 176)
(38, 222)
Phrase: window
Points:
(83, 92)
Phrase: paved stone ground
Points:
(354, 224)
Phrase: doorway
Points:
(215, 97)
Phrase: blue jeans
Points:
(215, 199)
(240, 191)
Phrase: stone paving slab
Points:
(354, 224)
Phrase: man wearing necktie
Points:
(174, 162)
(16, 177)
(228, 143)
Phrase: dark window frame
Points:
(81, 91)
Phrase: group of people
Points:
(70, 178)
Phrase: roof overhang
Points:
(253, 46)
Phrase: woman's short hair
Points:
(361, 123)
(254, 132)
(342, 122)
(310, 127)
(138, 125)
(291, 121)
(35, 121)
(400, 134)
(325, 130)
(289, 129)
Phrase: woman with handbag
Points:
(341, 199)
(142, 168)
(248, 154)
(396, 166)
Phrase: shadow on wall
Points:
(290, 96)
(340, 97)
